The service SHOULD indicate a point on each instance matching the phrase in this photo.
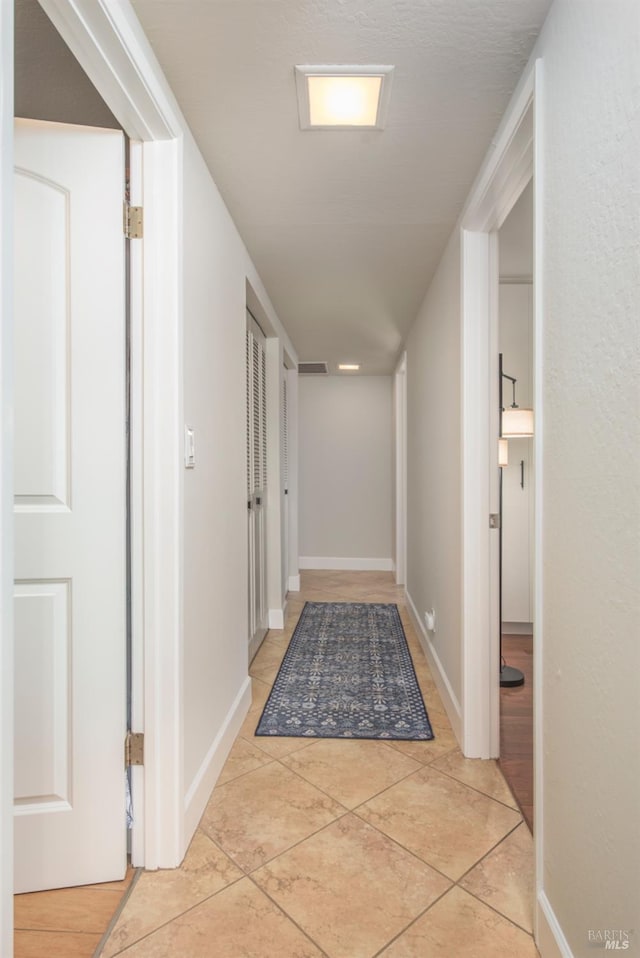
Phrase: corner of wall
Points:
(449, 699)
(205, 779)
(549, 936)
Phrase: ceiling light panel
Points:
(343, 97)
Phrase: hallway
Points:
(344, 849)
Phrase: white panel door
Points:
(70, 625)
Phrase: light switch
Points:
(189, 448)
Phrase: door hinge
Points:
(132, 221)
(494, 520)
(134, 749)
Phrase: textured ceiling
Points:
(345, 228)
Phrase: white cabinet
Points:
(517, 478)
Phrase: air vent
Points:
(312, 369)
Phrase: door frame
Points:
(516, 157)
(400, 420)
(6, 479)
(500, 182)
(109, 43)
(111, 47)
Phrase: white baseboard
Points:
(294, 583)
(202, 785)
(341, 564)
(449, 698)
(517, 628)
(276, 618)
(550, 938)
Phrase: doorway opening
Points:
(256, 371)
(515, 344)
(72, 409)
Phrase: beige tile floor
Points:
(343, 849)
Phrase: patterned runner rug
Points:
(347, 674)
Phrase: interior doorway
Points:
(70, 468)
(515, 344)
(256, 367)
(400, 435)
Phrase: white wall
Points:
(434, 554)
(216, 267)
(591, 482)
(589, 424)
(345, 469)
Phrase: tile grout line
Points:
(474, 788)
(181, 914)
(288, 916)
(413, 921)
(494, 909)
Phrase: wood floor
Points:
(516, 724)
(66, 922)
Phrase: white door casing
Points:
(400, 403)
(284, 433)
(69, 506)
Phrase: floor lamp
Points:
(510, 677)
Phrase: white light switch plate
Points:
(189, 448)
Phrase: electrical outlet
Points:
(430, 620)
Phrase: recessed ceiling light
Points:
(343, 97)
(349, 367)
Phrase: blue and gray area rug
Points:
(347, 674)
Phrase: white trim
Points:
(508, 167)
(274, 505)
(449, 698)
(292, 415)
(206, 777)
(163, 480)
(550, 938)
(517, 628)
(538, 457)
(400, 398)
(501, 179)
(108, 42)
(136, 373)
(276, 618)
(6, 480)
(342, 564)
(476, 506)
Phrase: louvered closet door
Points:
(256, 481)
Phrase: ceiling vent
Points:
(312, 369)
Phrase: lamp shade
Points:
(517, 423)
(503, 452)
